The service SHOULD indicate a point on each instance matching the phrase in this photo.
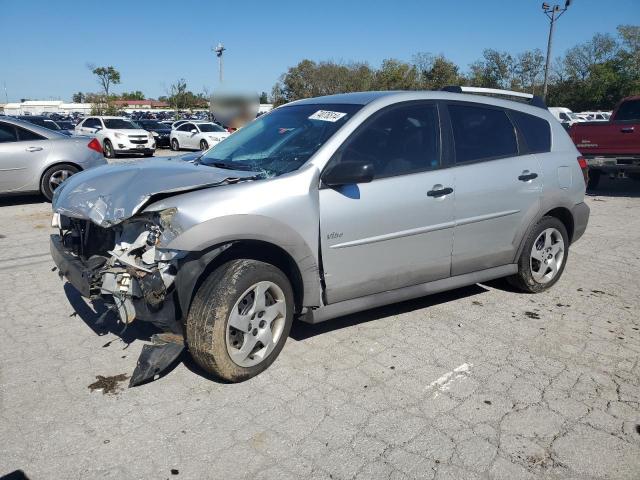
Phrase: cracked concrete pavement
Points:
(480, 382)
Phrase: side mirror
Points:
(194, 131)
(97, 129)
(348, 173)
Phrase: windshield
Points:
(120, 124)
(210, 127)
(281, 141)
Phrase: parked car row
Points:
(567, 118)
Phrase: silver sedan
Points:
(36, 159)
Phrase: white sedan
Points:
(197, 136)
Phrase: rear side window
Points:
(26, 135)
(481, 133)
(7, 133)
(535, 130)
(629, 110)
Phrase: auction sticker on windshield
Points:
(327, 116)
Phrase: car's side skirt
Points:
(346, 307)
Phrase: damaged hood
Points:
(109, 194)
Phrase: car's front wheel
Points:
(175, 146)
(543, 257)
(54, 176)
(204, 145)
(240, 319)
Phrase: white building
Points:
(39, 107)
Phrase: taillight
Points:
(584, 166)
(94, 144)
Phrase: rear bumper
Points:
(70, 266)
(580, 214)
(614, 163)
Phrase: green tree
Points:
(78, 97)
(107, 76)
(137, 95)
(528, 70)
(436, 71)
(396, 75)
(494, 70)
(264, 98)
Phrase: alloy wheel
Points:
(256, 323)
(58, 177)
(547, 255)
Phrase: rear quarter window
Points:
(535, 130)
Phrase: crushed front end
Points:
(123, 266)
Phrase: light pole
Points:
(554, 13)
(219, 50)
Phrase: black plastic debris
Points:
(156, 358)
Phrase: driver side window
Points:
(398, 141)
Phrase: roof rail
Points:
(533, 100)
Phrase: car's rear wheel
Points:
(53, 178)
(240, 319)
(109, 152)
(543, 257)
(175, 146)
(204, 145)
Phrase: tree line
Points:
(591, 75)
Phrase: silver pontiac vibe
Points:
(321, 208)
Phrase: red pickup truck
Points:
(611, 148)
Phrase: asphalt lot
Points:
(480, 382)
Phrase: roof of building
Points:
(133, 103)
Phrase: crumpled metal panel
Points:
(109, 194)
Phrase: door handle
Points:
(627, 130)
(526, 176)
(33, 149)
(439, 191)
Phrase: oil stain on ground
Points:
(533, 315)
(108, 385)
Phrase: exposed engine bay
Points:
(122, 266)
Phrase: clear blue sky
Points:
(48, 43)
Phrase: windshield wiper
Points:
(229, 166)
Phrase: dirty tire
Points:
(594, 179)
(523, 280)
(108, 150)
(175, 146)
(210, 310)
(45, 182)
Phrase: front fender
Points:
(232, 228)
